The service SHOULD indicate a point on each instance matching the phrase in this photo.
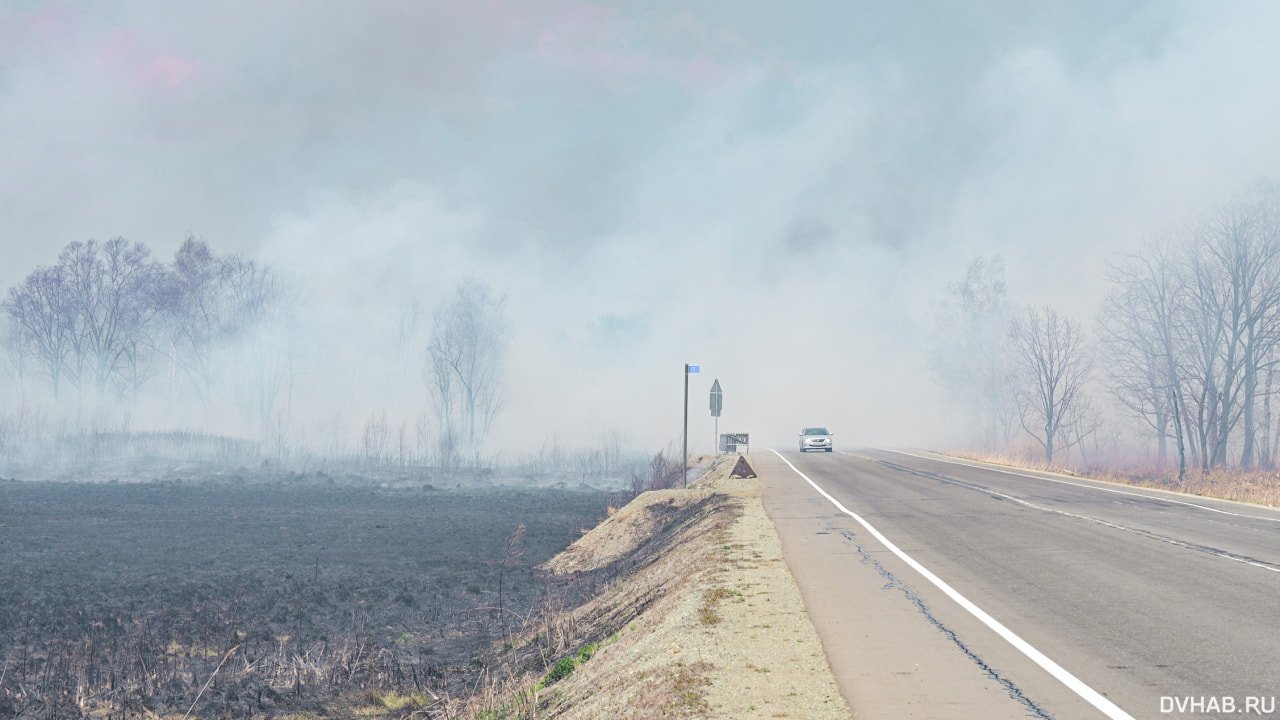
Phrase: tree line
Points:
(1187, 345)
(108, 320)
(107, 317)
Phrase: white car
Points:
(815, 438)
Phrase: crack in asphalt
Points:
(892, 581)
(1217, 552)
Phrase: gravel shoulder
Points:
(765, 656)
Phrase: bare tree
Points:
(41, 324)
(1268, 368)
(17, 353)
(1052, 365)
(970, 356)
(1230, 326)
(1230, 251)
(1201, 330)
(464, 363)
(111, 299)
(199, 314)
(1137, 330)
(1260, 308)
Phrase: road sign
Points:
(693, 369)
(717, 399)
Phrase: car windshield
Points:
(816, 431)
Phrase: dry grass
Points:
(1261, 487)
(571, 651)
(711, 598)
(674, 692)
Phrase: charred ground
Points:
(122, 599)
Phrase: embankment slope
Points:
(696, 616)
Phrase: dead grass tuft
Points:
(677, 691)
(711, 598)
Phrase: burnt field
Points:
(124, 600)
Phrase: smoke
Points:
(778, 194)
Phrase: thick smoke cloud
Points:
(776, 193)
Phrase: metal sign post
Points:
(688, 369)
(717, 403)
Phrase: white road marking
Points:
(1093, 697)
(985, 466)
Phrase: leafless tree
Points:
(106, 313)
(970, 356)
(1266, 443)
(464, 363)
(199, 314)
(1140, 352)
(41, 328)
(1260, 307)
(16, 353)
(1052, 366)
(1200, 330)
(1229, 327)
(111, 300)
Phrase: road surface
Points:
(1055, 597)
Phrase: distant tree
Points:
(1230, 322)
(464, 363)
(111, 300)
(212, 303)
(1052, 366)
(41, 324)
(106, 313)
(970, 353)
(1138, 330)
(1247, 245)
(16, 352)
(198, 314)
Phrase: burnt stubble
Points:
(121, 599)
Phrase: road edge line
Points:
(1076, 685)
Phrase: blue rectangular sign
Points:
(693, 369)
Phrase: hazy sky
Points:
(775, 190)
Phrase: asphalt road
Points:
(1140, 603)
